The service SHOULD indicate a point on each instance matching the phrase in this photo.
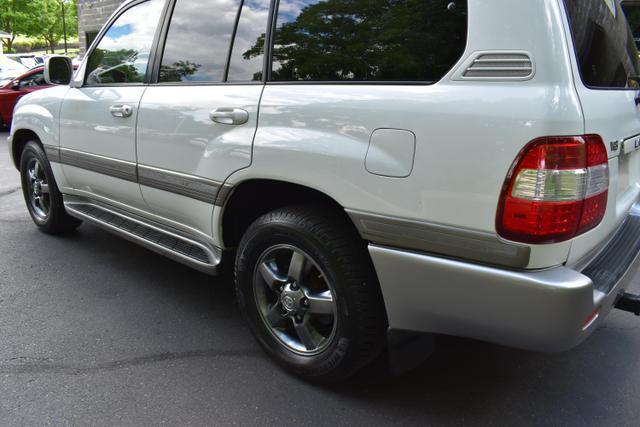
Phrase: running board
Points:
(179, 248)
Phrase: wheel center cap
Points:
(37, 188)
(291, 299)
(288, 303)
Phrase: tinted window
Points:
(247, 57)
(604, 44)
(632, 12)
(385, 40)
(198, 40)
(36, 79)
(122, 55)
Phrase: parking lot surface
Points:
(96, 330)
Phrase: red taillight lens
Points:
(556, 189)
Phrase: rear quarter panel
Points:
(467, 133)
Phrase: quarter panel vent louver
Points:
(498, 66)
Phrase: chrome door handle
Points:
(121, 111)
(229, 116)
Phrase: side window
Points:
(375, 40)
(198, 41)
(122, 56)
(248, 46)
(36, 79)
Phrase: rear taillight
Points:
(556, 189)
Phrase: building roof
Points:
(4, 35)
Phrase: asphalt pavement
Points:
(95, 330)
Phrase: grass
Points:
(72, 52)
(42, 51)
(23, 39)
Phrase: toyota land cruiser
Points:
(463, 167)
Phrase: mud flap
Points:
(408, 350)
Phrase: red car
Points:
(17, 88)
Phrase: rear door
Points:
(606, 65)
(197, 122)
(97, 126)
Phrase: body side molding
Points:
(191, 186)
(439, 239)
(105, 165)
(195, 187)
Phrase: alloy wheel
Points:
(38, 189)
(295, 298)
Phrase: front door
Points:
(97, 125)
(197, 122)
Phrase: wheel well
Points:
(252, 199)
(20, 139)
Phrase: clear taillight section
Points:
(556, 189)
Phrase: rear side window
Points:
(604, 43)
(122, 56)
(198, 41)
(370, 40)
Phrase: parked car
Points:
(29, 60)
(15, 89)
(12, 90)
(10, 69)
(464, 167)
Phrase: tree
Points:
(367, 40)
(16, 18)
(38, 18)
(48, 22)
(177, 71)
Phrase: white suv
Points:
(444, 167)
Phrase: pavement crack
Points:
(47, 366)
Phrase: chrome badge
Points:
(615, 145)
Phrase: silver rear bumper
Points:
(545, 310)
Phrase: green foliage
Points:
(15, 18)
(367, 40)
(41, 19)
(177, 71)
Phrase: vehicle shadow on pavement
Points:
(462, 381)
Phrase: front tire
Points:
(308, 291)
(41, 194)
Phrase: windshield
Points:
(10, 69)
(606, 50)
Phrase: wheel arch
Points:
(253, 198)
(19, 140)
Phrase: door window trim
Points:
(117, 14)
(158, 51)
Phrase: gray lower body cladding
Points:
(542, 310)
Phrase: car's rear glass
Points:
(606, 50)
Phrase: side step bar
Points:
(179, 248)
(629, 302)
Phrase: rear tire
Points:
(309, 293)
(41, 194)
